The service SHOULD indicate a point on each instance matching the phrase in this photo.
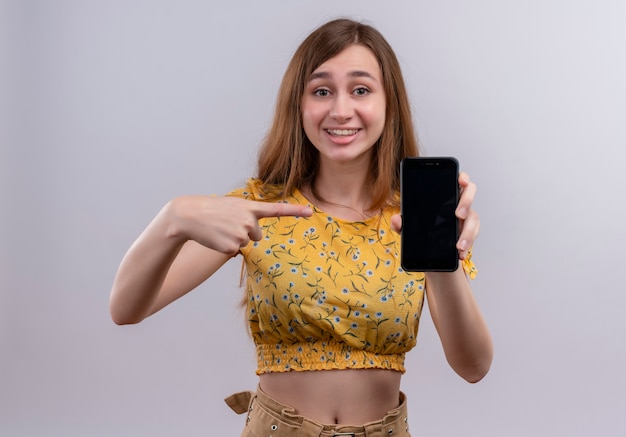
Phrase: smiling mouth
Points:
(342, 132)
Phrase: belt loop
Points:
(374, 429)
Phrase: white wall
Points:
(110, 108)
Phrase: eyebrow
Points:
(326, 75)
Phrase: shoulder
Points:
(256, 189)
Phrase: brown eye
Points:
(321, 92)
(361, 91)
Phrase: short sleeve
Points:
(468, 265)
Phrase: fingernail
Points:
(463, 245)
(463, 212)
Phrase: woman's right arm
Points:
(188, 241)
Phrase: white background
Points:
(110, 108)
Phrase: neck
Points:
(342, 187)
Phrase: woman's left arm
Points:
(461, 327)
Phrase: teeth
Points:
(342, 132)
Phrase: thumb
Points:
(396, 222)
(265, 209)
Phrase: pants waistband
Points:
(265, 412)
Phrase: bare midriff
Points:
(347, 397)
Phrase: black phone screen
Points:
(430, 229)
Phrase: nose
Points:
(341, 109)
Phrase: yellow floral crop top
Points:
(325, 293)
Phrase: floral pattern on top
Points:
(326, 293)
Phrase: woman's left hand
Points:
(469, 223)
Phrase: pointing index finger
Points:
(265, 209)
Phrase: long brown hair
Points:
(288, 159)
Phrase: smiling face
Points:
(343, 107)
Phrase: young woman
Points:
(330, 310)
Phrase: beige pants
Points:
(269, 418)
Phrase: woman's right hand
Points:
(190, 239)
(224, 224)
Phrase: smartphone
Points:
(429, 195)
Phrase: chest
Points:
(332, 269)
